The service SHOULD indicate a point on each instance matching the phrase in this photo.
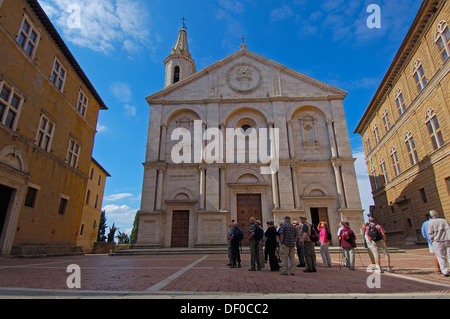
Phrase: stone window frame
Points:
(395, 161)
(82, 104)
(376, 184)
(57, 77)
(45, 133)
(434, 129)
(73, 153)
(368, 144)
(384, 170)
(24, 37)
(419, 75)
(386, 120)
(400, 101)
(411, 147)
(11, 102)
(442, 39)
(376, 133)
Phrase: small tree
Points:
(101, 236)
(123, 238)
(112, 233)
(134, 231)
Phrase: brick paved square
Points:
(207, 275)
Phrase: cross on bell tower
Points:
(179, 64)
(243, 45)
(184, 25)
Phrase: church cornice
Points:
(248, 100)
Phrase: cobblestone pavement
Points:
(206, 276)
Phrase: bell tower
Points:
(179, 64)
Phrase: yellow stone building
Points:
(92, 208)
(48, 118)
(406, 129)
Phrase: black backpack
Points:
(373, 233)
(259, 233)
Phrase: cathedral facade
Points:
(188, 200)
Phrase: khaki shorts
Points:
(377, 246)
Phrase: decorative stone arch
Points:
(313, 189)
(246, 114)
(181, 194)
(174, 111)
(12, 156)
(247, 171)
(304, 106)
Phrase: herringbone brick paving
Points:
(415, 273)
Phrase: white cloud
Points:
(103, 25)
(116, 197)
(101, 128)
(130, 110)
(281, 13)
(121, 91)
(229, 11)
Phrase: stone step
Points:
(217, 251)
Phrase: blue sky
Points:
(121, 45)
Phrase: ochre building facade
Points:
(48, 113)
(406, 129)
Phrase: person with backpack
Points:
(308, 245)
(255, 234)
(235, 241)
(377, 238)
(439, 232)
(288, 237)
(325, 239)
(348, 244)
(271, 245)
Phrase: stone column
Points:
(297, 203)
(202, 187)
(159, 189)
(223, 186)
(339, 184)
(290, 140)
(332, 138)
(163, 141)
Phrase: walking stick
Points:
(340, 265)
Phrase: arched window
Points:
(387, 122)
(400, 101)
(384, 170)
(434, 129)
(411, 146)
(442, 38)
(369, 146)
(395, 161)
(419, 75)
(376, 133)
(176, 74)
(376, 185)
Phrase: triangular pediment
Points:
(246, 75)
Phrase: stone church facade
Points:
(191, 204)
